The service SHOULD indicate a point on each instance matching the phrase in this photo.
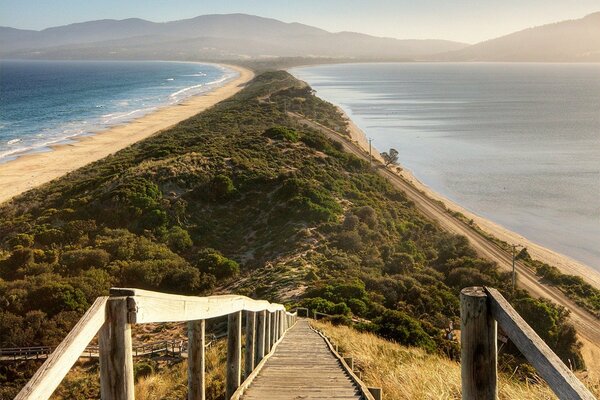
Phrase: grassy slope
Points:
(305, 221)
(410, 373)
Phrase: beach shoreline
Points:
(565, 264)
(32, 170)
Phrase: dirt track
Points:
(587, 325)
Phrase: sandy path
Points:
(586, 324)
(30, 171)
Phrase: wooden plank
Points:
(150, 306)
(116, 358)
(558, 376)
(234, 353)
(478, 361)
(259, 353)
(196, 360)
(51, 373)
(250, 342)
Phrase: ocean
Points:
(516, 143)
(43, 103)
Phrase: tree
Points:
(390, 158)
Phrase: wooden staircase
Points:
(303, 367)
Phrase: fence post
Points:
(275, 324)
(196, 360)
(234, 352)
(116, 359)
(281, 323)
(478, 346)
(250, 340)
(267, 332)
(259, 352)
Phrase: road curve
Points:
(587, 325)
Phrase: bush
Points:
(211, 261)
(349, 241)
(398, 326)
(281, 133)
(221, 187)
(21, 239)
(179, 239)
(83, 259)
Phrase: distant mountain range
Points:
(569, 41)
(241, 36)
(229, 36)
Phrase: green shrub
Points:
(221, 187)
(213, 262)
(179, 239)
(281, 133)
(83, 259)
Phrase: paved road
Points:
(587, 325)
(302, 367)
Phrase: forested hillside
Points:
(243, 198)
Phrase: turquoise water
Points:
(518, 144)
(51, 102)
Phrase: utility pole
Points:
(370, 153)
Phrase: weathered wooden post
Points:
(268, 333)
(478, 346)
(275, 327)
(250, 341)
(234, 353)
(196, 360)
(281, 323)
(116, 358)
(261, 321)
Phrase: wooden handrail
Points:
(113, 316)
(51, 373)
(146, 306)
(482, 309)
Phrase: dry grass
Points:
(171, 383)
(410, 373)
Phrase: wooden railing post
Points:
(276, 327)
(281, 323)
(478, 346)
(268, 333)
(250, 341)
(261, 322)
(234, 353)
(116, 359)
(196, 360)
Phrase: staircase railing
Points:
(482, 310)
(112, 317)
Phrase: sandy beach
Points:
(30, 171)
(566, 264)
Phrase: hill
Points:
(567, 41)
(244, 198)
(229, 36)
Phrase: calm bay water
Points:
(518, 144)
(49, 102)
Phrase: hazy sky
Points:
(462, 20)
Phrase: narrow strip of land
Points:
(302, 367)
(587, 325)
(30, 171)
